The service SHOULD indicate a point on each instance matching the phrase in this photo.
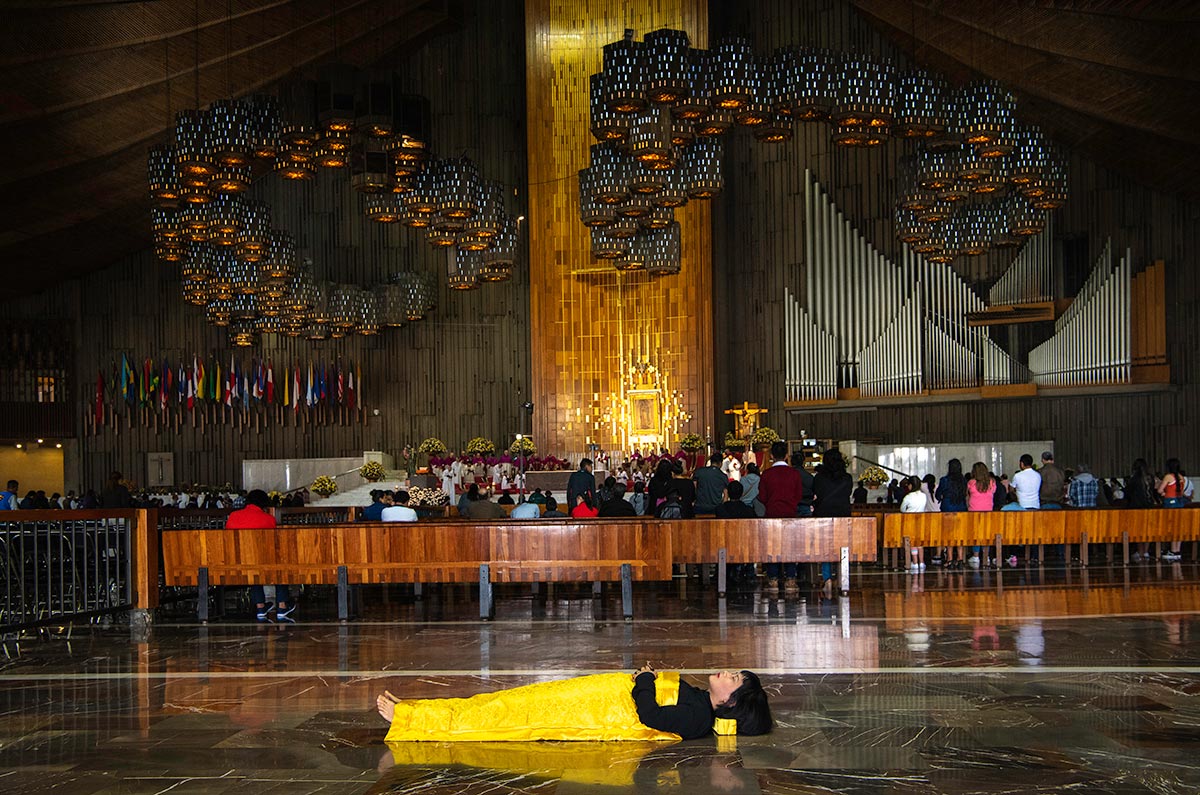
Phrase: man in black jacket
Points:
(582, 481)
(617, 506)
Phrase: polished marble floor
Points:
(1024, 680)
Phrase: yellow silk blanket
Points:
(598, 707)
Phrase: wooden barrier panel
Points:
(420, 552)
(772, 540)
(1041, 527)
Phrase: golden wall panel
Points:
(590, 324)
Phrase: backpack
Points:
(670, 510)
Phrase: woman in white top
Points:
(915, 501)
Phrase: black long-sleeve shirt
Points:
(690, 718)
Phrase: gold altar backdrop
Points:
(591, 325)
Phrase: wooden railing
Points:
(1070, 527)
(420, 552)
(448, 551)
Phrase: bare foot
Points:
(386, 705)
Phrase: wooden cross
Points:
(747, 417)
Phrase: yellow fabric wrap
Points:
(600, 763)
(725, 726)
(666, 688)
(598, 707)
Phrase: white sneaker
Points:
(973, 561)
(920, 567)
(913, 569)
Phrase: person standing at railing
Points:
(780, 490)
(8, 497)
(255, 517)
(115, 493)
(1171, 488)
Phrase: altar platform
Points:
(1021, 680)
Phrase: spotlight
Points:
(18, 445)
(58, 445)
(39, 441)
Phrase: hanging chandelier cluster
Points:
(458, 211)
(977, 180)
(648, 107)
(246, 273)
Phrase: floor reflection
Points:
(1018, 680)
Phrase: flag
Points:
(341, 387)
(256, 390)
(191, 384)
(244, 389)
(271, 384)
(126, 380)
(287, 383)
(164, 386)
(143, 381)
(99, 397)
(309, 394)
(296, 388)
(360, 386)
(350, 389)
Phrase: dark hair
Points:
(1174, 467)
(779, 450)
(748, 706)
(662, 470)
(586, 497)
(585, 462)
(834, 463)
(609, 482)
(638, 487)
(797, 458)
(715, 458)
(473, 492)
(735, 489)
(259, 498)
(551, 504)
(751, 469)
(677, 468)
(1026, 460)
(619, 490)
(12, 485)
(401, 497)
(956, 483)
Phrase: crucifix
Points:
(747, 418)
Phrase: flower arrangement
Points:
(480, 446)
(420, 497)
(873, 476)
(733, 441)
(432, 446)
(371, 471)
(276, 498)
(692, 443)
(764, 436)
(323, 485)
(522, 446)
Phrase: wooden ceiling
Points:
(87, 87)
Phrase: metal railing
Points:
(62, 566)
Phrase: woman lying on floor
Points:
(597, 707)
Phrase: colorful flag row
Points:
(206, 381)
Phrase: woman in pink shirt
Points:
(981, 492)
